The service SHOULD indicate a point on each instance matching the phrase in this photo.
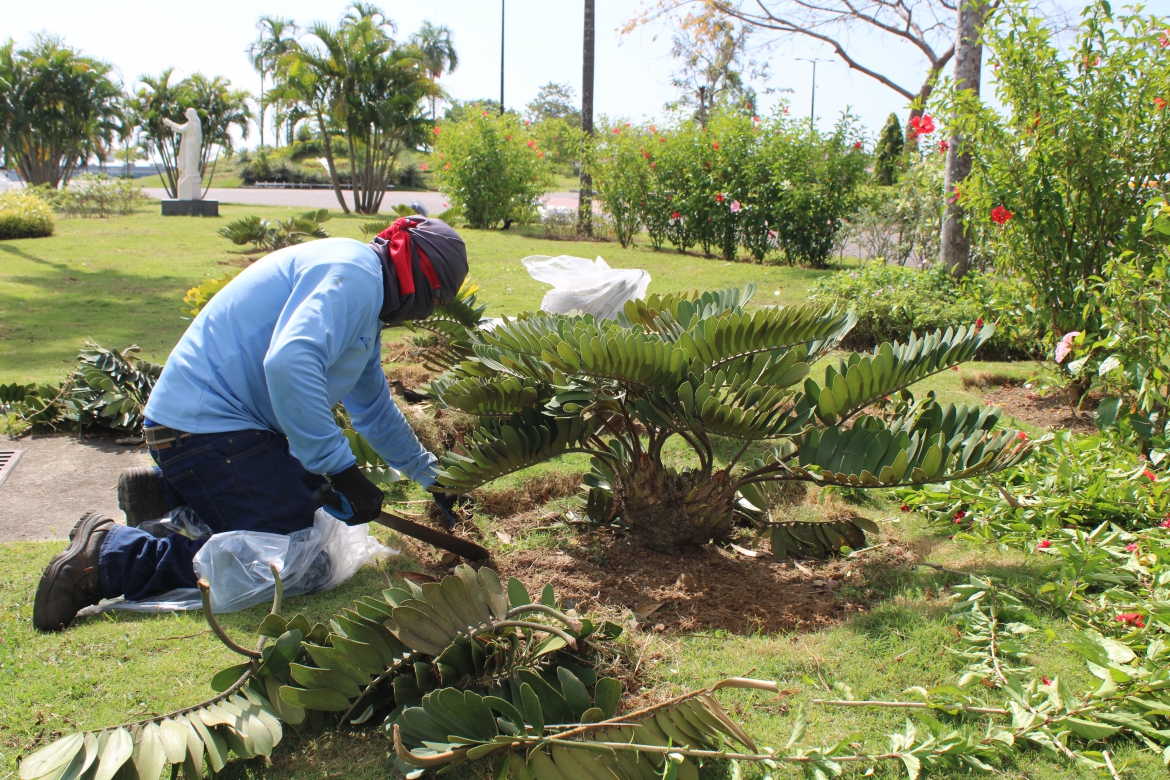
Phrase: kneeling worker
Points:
(241, 422)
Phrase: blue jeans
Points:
(237, 481)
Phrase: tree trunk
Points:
(955, 239)
(668, 512)
(332, 166)
(585, 197)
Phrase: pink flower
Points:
(1165, 523)
(1130, 547)
(1164, 39)
(438, 130)
(527, 122)
(540, 154)
(617, 130)
(943, 146)
(532, 144)
(1064, 348)
(1000, 215)
(719, 197)
(424, 166)
(735, 206)
(756, 119)
(653, 165)
(627, 124)
(445, 205)
(1132, 618)
(1044, 544)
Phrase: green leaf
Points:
(517, 593)
(606, 695)
(325, 699)
(44, 761)
(1090, 730)
(225, 678)
(798, 728)
(533, 712)
(118, 749)
(913, 765)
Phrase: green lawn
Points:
(121, 280)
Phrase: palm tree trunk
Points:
(332, 166)
(261, 108)
(585, 196)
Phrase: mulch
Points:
(1049, 412)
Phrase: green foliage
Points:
(57, 108)
(266, 167)
(1077, 150)
(268, 236)
(492, 168)
(1128, 360)
(107, 388)
(25, 214)
(890, 302)
(96, 195)
(198, 296)
(736, 182)
(888, 153)
(701, 366)
(1069, 481)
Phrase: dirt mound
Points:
(1050, 412)
(536, 491)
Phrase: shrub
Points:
(888, 153)
(737, 182)
(1061, 174)
(269, 236)
(891, 302)
(96, 195)
(24, 214)
(264, 167)
(701, 366)
(492, 167)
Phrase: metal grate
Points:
(8, 461)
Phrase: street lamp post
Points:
(812, 111)
(502, 57)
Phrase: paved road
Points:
(58, 479)
(325, 199)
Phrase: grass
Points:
(121, 280)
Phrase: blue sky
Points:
(543, 44)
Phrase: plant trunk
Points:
(585, 195)
(332, 166)
(667, 512)
(955, 238)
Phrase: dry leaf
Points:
(504, 537)
(644, 611)
(686, 580)
(416, 577)
(449, 559)
(748, 553)
(803, 569)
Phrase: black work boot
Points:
(140, 495)
(71, 580)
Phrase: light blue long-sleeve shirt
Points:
(279, 346)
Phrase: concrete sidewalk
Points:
(58, 479)
(435, 202)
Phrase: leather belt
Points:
(160, 437)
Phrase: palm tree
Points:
(277, 36)
(438, 52)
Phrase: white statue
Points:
(190, 146)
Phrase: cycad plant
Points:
(722, 379)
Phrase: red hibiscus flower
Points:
(1022, 436)
(438, 130)
(1164, 39)
(1130, 547)
(716, 145)
(1159, 103)
(653, 165)
(1165, 523)
(532, 144)
(617, 130)
(1045, 544)
(1132, 618)
(674, 215)
(960, 514)
(1046, 681)
(905, 507)
(540, 154)
(1000, 215)
(857, 145)
(943, 146)
(719, 197)
(922, 125)
(1151, 476)
(979, 323)
(424, 166)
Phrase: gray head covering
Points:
(438, 266)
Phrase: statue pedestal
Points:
(190, 208)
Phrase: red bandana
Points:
(400, 245)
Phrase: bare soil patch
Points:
(1050, 412)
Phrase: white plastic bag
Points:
(584, 286)
(236, 564)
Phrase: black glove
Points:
(351, 486)
(446, 503)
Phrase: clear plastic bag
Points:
(589, 287)
(236, 564)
